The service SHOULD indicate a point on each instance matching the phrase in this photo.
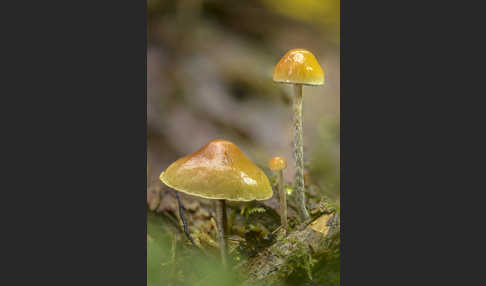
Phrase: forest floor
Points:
(259, 251)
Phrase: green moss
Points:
(249, 211)
(301, 260)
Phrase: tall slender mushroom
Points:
(277, 164)
(218, 171)
(299, 67)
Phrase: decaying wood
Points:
(278, 260)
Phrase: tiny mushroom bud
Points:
(277, 164)
(218, 171)
(299, 67)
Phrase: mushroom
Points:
(218, 171)
(277, 164)
(299, 67)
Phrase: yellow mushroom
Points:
(277, 164)
(299, 67)
(219, 171)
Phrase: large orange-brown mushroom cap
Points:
(219, 170)
(298, 66)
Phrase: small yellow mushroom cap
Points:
(277, 164)
(298, 66)
(219, 170)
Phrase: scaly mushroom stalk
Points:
(299, 153)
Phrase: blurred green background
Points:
(209, 75)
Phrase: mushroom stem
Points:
(299, 153)
(221, 222)
(283, 202)
(181, 215)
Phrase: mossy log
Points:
(301, 249)
(301, 253)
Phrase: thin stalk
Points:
(299, 153)
(283, 202)
(221, 222)
(184, 224)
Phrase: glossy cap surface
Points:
(219, 170)
(298, 66)
(277, 164)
